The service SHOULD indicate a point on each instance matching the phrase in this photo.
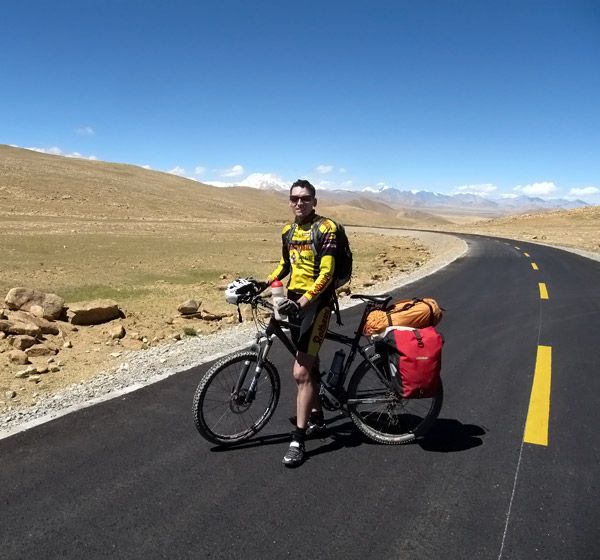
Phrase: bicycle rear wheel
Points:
(383, 415)
(225, 416)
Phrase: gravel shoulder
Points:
(140, 368)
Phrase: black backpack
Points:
(343, 254)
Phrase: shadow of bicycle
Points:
(445, 436)
(449, 435)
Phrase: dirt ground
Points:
(150, 268)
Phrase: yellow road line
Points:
(543, 291)
(526, 254)
(534, 266)
(536, 427)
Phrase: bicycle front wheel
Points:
(228, 406)
(383, 415)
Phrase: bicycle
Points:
(238, 395)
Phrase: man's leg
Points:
(308, 388)
(305, 398)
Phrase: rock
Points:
(23, 299)
(116, 354)
(189, 306)
(93, 312)
(197, 315)
(18, 357)
(26, 329)
(10, 394)
(37, 311)
(43, 369)
(23, 341)
(46, 326)
(31, 370)
(2, 335)
(34, 378)
(117, 332)
(68, 344)
(344, 290)
(210, 316)
(39, 350)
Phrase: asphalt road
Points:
(131, 478)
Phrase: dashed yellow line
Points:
(526, 254)
(534, 266)
(543, 291)
(536, 427)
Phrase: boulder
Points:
(93, 312)
(117, 332)
(211, 316)
(47, 327)
(48, 306)
(21, 328)
(38, 350)
(23, 341)
(18, 357)
(188, 307)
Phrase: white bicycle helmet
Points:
(237, 289)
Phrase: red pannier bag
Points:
(417, 355)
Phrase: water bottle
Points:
(334, 377)
(277, 294)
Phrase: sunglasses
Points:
(296, 199)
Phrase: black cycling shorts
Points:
(309, 334)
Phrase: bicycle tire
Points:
(224, 420)
(391, 420)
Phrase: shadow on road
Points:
(448, 435)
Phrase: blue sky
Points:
(473, 96)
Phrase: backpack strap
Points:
(316, 237)
(336, 309)
(290, 235)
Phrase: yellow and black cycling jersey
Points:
(311, 273)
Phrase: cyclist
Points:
(310, 298)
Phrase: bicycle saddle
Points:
(382, 300)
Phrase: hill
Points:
(32, 183)
(577, 228)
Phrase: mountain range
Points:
(426, 200)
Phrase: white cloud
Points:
(180, 171)
(324, 169)
(56, 151)
(481, 189)
(343, 170)
(235, 171)
(85, 131)
(199, 170)
(583, 191)
(537, 189)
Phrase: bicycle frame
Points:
(275, 328)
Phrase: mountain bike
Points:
(238, 395)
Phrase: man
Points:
(310, 298)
